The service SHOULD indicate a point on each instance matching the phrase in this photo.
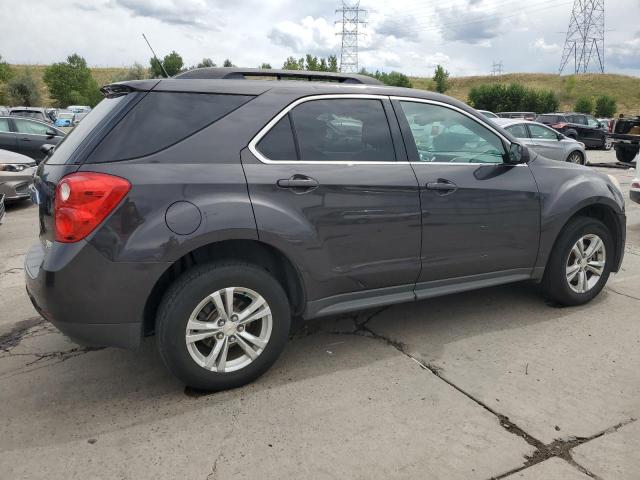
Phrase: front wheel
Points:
(221, 326)
(580, 263)
(576, 157)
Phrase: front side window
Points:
(542, 133)
(34, 128)
(593, 122)
(344, 129)
(518, 131)
(4, 125)
(444, 135)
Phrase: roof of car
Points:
(234, 73)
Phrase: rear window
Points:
(72, 141)
(548, 119)
(162, 119)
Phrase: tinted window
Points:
(278, 144)
(34, 128)
(548, 119)
(343, 129)
(593, 122)
(4, 125)
(542, 133)
(28, 114)
(160, 120)
(445, 135)
(518, 131)
(65, 149)
(578, 119)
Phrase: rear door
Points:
(8, 139)
(327, 188)
(480, 216)
(546, 142)
(32, 135)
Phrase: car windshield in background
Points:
(66, 148)
(27, 114)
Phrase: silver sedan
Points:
(16, 175)
(544, 140)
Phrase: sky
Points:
(411, 36)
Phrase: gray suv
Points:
(210, 209)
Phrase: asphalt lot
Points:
(492, 383)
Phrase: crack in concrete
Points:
(20, 331)
(560, 448)
(12, 270)
(622, 294)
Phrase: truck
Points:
(624, 134)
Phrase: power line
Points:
(585, 36)
(351, 20)
(496, 68)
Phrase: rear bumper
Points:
(635, 195)
(94, 301)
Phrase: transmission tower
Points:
(496, 69)
(351, 20)
(585, 36)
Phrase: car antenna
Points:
(156, 57)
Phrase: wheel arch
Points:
(602, 210)
(252, 251)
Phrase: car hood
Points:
(12, 157)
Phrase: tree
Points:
(265, 66)
(441, 78)
(172, 64)
(228, 63)
(312, 63)
(6, 72)
(206, 63)
(497, 97)
(605, 106)
(395, 79)
(134, 72)
(584, 105)
(22, 90)
(71, 82)
(332, 63)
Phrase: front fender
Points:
(566, 190)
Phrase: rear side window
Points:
(279, 143)
(518, 130)
(162, 119)
(343, 130)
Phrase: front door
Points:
(479, 215)
(31, 136)
(546, 142)
(327, 190)
(8, 140)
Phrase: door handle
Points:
(445, 187)
(299, 183)
(25, 139)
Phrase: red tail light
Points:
(611, 126)
(83, 201)
(558, 125)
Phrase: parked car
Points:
(2, 211)
(488, 114)
(26, 136)
(274, 200)
(625, 137)
(604, 123)
(4, 111)
(65, 119)
(581, 127)
(78, 118)
(31, 112)
(635, 185)
(16, 175)
(79, 108)
(523, 115)
(544, 140)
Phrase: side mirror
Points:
(47, 149)
(51, 133)
(518, 154)
(560, 136)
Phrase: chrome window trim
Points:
(264, 130)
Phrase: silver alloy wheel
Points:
(575, 157)
(586, 262)
(608, 144)
(229, 329)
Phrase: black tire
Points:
(626, 156)
(576, 157)
(183, 297)
(554, 283)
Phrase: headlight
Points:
(616, 182)
(14, 167)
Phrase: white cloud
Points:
(541, 45)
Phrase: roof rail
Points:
(242, 73)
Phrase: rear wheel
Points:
(580, 263)
(626, 156)
(221, 326)
(576, 157)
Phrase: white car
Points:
(635, 184)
